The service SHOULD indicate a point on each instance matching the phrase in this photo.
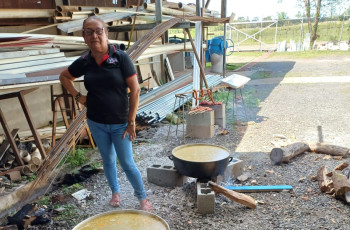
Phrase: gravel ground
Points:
(298, 111)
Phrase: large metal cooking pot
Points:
(202, 161)
(123, 219)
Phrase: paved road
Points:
(302, 99)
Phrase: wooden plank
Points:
(9, 67)
(170, 70)
(260, 188)
(234, 196)
(4, 147)
(16, 54)
(39, 67)
(10, 138)
(146, 73)
(24, 105)
(30, 58)
(76, 25)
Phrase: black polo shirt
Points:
(107, 97)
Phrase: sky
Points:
(253, 8)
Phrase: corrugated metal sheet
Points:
(28, 4)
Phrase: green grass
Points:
(67, 190)
(229, 66)
(251, 99)
(310, 54)
(286, 30)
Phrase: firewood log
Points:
(279, 155)
(329, 149)
(341, 184)
(324, 182)
(339, 167)
(234, 196)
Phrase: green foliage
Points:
(282, 15)
(76, 187)
(221, 96)
(76, 158)
(67, 190)
(44, 200)
(69, 212)
(96, 165)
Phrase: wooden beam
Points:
(207, 4)
(10, 138)
(198, 59)
(234, 196)
(223, 8)
(38, 143)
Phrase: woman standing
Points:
(108, 73)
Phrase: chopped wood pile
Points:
(335, 182)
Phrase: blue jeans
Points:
(110, 142)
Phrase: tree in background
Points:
(267, 18)
(316, 8)
(241, 19)
(282, 15)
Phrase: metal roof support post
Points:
(223, 15)
(196, 70)
(159, 15)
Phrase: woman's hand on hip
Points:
(82, 100)
(130, 129)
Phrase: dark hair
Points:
(96, 19)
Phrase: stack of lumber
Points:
(28, 61)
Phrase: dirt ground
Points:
(299, 99)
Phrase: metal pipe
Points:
(151, 7)
(82, 12)
(83, 8)
(158, 109)
(104, 10)
(62, 8)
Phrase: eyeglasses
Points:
(89, 32)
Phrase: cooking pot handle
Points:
(171, 157)
(230, 159)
